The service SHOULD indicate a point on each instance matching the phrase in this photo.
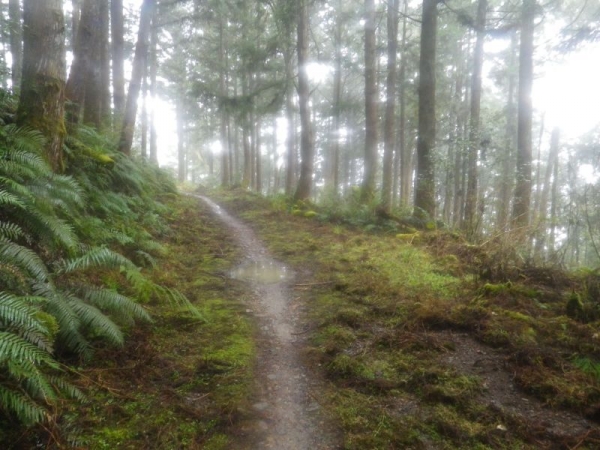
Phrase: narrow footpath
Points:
(287, 412)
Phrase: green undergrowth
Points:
(184, 380)
(383, 307)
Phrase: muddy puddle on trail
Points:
(263, 271)
(286, 414)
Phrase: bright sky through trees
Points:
(566, 91)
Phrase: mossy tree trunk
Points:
(42, 99)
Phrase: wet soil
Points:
(286, 411)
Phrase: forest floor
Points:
(317, 335)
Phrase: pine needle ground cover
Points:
(417, 351)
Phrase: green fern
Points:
(96, 257)
(25, 408)
(23, 259)
(111, 301)
(145, 289)
(91, 317)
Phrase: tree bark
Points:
(509, 143)
(522, 199)
(83, 49)
(118, 56)
(16, 43)
(307, 145)
(258, 156)
(105, 99)
(152, 73)
(225, 180)
(144, 118)
(405, 150)
(543, 206)
(371, 114)
(470, 223)
(94, 91)
(139, 60)
(333, 179)
(390, 109)
(75, 20)
(290, 143)
(424, 182)
(181, 160)
(42, 99)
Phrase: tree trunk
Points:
(152, 73)
(42, 99)
(333, 180)
(16, 43)
(75, 20)
(424, 182)
(144, 118)
(541, 231)
(290, 143)
(470, 223)
(139, 61)
(371, 114)
(390, 109)
(509, 143)
(522, 200)
(307, 144)
(118, 56)
(225, 180)
(181, 162)
(257, 151)
(105, 99)
(405, 150)
(94, 90)
(83, 59)
(245, 122)
(554, 208)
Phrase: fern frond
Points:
(147, 258)
(10, 231)
(13, 186)
(15, 347)
(113, 302)
(24, 139)
(22, 406)
(35, 383)
(145, 288)
(96, 257)
(69, 334)
(49, 228)
(99, 323)
(8, 199)
(67, 389)
(17, 313)
(23, 258)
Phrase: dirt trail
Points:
(286, 413)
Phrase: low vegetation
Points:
(390, 317)
(85, 311)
